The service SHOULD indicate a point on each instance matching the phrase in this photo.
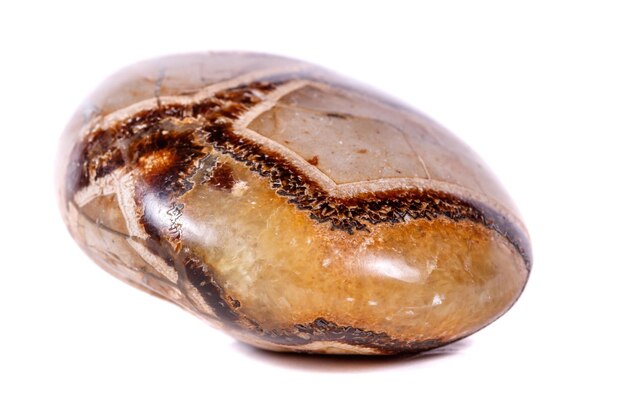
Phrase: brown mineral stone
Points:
(289, 206)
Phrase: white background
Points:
(537, 88)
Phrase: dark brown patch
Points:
(336, 115)
(362, 151)
(314, 161)
(77, 170)
(221, 177)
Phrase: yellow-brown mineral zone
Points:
(418, 280)
(289, 207)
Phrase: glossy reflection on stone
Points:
(289, 206)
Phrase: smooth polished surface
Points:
(289, 206)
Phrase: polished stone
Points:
(289, 206)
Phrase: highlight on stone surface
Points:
(289, 206)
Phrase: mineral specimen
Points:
(289, 206)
